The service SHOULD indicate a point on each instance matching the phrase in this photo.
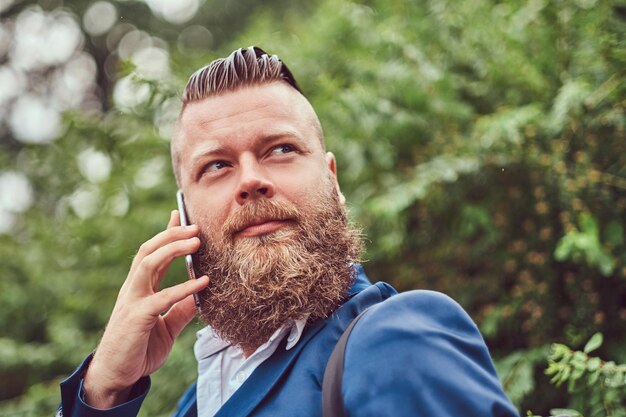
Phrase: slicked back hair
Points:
(241, 68)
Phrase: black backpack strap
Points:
(332, 403)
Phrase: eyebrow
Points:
(282, 135)
(207, 150)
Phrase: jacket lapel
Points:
(263, 379)
(190, 409)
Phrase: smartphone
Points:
(184, 221)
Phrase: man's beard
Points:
(304, 269)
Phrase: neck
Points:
(247, 352)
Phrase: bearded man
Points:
(279, 279)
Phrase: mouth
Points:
(262, 227)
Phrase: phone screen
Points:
(184, 221)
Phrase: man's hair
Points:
(241, 68)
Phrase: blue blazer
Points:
(415, 354)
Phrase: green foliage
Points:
(480, 144)
(584, 246)
(517, 372)
(598, 387)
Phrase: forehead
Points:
(260, 109)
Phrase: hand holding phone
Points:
(146, 319)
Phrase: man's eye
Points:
(216, 166)
(283, 149)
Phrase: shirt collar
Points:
(209, 343)
(297, 328)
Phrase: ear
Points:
(332, 166)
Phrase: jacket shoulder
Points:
(419, 353)
(421, 312)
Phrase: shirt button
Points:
(240, 377)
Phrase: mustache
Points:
(257, 212)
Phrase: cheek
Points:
(211, 204)
(308, 194)
(305, 180)
(297, 190)
(208, 215)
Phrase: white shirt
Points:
(222, 368)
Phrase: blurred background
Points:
(480, 143)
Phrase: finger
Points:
(174, 219)
(152, 268)
(175, 233)
(171, 234)
(141, 251)
(166, 298)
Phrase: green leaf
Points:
(577, 373)
(584, 246)
(606, 263)
(593, 364)
(564, 248)
(564, 376)
(593, 377)
(579, 359)
(571, 383)
(567, 411)
(617, 380)
(594, 343)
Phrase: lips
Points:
(262, 227)
(260, 217)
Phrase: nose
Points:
(253, 183)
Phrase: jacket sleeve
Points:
(73, 405)
(419, 354)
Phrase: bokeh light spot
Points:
(85, 201)
(16, 193)
(44, 39)
(151, 173)
(99, 18)
(176, 12)
(152, 63)
(34, 121)
(129, 94)
(194, 39)
(94, 165)
(11, 84)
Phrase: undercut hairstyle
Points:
(243, 67)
